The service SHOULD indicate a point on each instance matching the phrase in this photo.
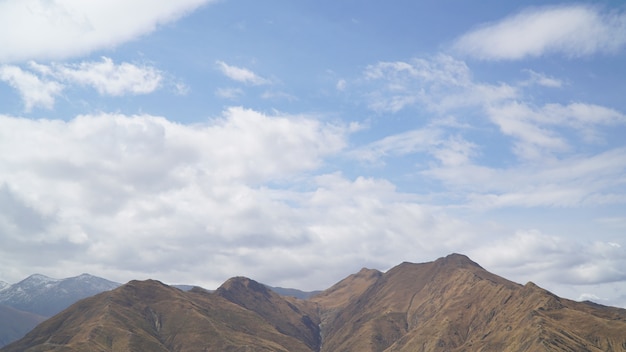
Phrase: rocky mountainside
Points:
(451, 304)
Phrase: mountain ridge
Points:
(450, 304)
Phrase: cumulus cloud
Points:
(109, 78)
(127, 196)
(556, 259)
(571, 30)
(44, 30)
(34, 91)
(41, 84)
(241, 74)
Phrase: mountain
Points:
(3, 285)
(14, 323)
(151, 316)
(288, 315)
(46, 296)
(453, 304)
(450, 304)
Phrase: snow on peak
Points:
(39, 279)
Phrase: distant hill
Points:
(46, 296)
(292, 292)
(27, 303)
(450, 304)
(14, 324)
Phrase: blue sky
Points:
(296, 142)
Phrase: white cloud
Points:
(439, 84)
(278, 95)
(229, 93)
(563, 158)
(40, 86)
(555, 259)
(451, 150)
(542, 80)
(533, 141)
(43, 30)
(538, 131)
(341, 85)
(570, 182)
(572, 30)
(242, 75)
(34, 91)
(129, 196)
(409, 142)
(109, 78)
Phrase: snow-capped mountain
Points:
(3, 285)
(46, 296)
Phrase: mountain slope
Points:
(46, 296)
(451, 304)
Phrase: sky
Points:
(295, 142)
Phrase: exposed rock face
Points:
(451, 304)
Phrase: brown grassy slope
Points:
(343, 292)
(332, 301)
(289, 316)
(150, 316)
(453, 304)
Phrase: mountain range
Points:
(450, 304)
(27, 303)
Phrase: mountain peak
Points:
(47, 296)
(38, 279)
(368, 273)
(457, 260)
(236, 288)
